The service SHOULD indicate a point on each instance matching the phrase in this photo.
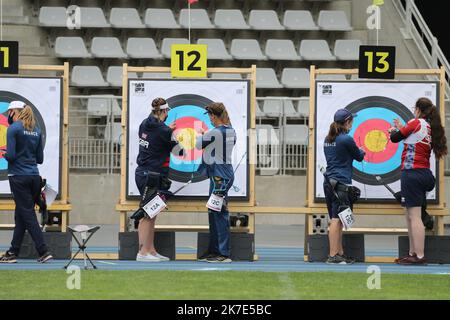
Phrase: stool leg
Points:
(73, 258)
(93, 265)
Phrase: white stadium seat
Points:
(160, 19)
(267, 79)
(87, 76)
(347, 49)
(93, 18)
(114, 76)
(103, 106)
(333, 20)
(199, 19)
(53, 17)
(295, 78)
(229, 76)
(230, 19)
(277, 49)
(296, 134)
(264, 20)
(168, 42)
(216, 49)
(315, 50)
(299, 20)
(107, 47)
(246, 49)
(71, 47)
(142, 48)
(127, 18)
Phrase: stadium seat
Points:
(156, 75)
(338, 77)
(103, 106)
(127, 18)
(246, 49)
(168, 42)
(216, 49)
(296, 134)
(303, 107)
(199, 19)
(299, 20)
(281, 50)
(87, 76)
(259, 112)
(53, 17)
(113, 132)
(295, 78)
(107, 47)
(232, 76)
(142, 48)
(114, 76)
(315, 50)
(289, 109)
(93, 18)
(267, 79)
(230, 19)
(333, 20)
(160, 19)
(71, 47)
(264, 20)
(273, 108)
(266, 134)
(347, 49)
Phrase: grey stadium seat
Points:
(156, 75)
(338, 77)
(93, 18)
(295, 78)
(273, 108)
(347, 49)
(142, 48)
(160, 19)
(107, 47)
(103, 106)
(289, 109)
(114, 76)
(246, 49)
(53, 17)
(125, 18)
(230, 19)
(333, 20)
(216, 49)
(303, 107)
(296, 134)
(168, 42)
(264, 20)
(299, 20)
(113, 132)
(199, 19)
(315, 50)
(259, 112)
(267, 79)
(281, 50)
(71, 47)
(87, 76)
(229, 76)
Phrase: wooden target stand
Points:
(62, 204)
(439, 210)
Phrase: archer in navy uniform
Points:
(340, 151)
(24, 151)
(155, 145)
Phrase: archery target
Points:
(376, 106)
(187, 100)
(43, 95)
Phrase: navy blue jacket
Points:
(340, 155)
(217, 156)
(155, 145)
(24, 150)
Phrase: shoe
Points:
(8, 257)
(206, 256)
(337, 259)
(413, 260)
(45, 257)
(161, 257)
(218, 259)
(147, 258)
(348, 260)
(401, 259)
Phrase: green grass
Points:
(223, 285)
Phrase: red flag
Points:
(192, 1)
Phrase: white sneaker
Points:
(147, 258)
(161, 257)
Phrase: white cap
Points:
(163, 107)
(16, 105)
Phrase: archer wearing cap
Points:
(340, 150)
(14, 109)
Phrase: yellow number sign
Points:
(189, 60)
(377, 62)
(9, 57)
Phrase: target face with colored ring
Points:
(188, 112)
(375, 115)
(5, 98)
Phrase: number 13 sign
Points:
(189, 61)
(377, 62)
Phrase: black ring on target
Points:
(392, 105)
(7, 97)
(184, 100)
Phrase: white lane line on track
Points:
(110, 263)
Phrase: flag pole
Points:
(189, 23)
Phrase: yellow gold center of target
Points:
(186, 137)
(3, 135)
(376, 141)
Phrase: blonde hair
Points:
(26, 115)
(218, 109)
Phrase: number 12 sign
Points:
(189, 61)
(9, 57)
(377, 62)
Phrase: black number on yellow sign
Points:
(189, 60)
(377, 62)
(9, 57)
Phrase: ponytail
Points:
(432, 116)
(26, 115)
(336, 128)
